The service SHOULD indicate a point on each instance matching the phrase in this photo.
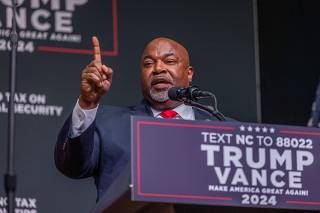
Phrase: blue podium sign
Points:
(225, 163)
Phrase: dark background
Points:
(220, 37)
(289, 59)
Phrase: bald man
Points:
(95, 139)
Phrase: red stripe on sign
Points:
(138, 157)
(299, 133)
(74, 51)
(187, 125)
(302, 202)
(115, 27)
(185, 196)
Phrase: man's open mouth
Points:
(161, 83)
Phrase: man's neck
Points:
(164, 105)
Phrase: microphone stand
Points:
(205, 108)
(10, 179)
(191, 94)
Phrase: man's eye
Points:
(147, 63)
(170, 61)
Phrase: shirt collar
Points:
(184, 111)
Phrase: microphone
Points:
(192, 93)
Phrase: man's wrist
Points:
(81, 119)
(87, 104)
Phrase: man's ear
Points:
(190, 74)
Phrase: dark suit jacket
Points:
(103, 150)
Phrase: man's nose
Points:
(159, 67)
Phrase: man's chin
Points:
(159, 96)
(168, 104)
(160, 101)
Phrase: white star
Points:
(257, 129)
(272, 130)
(249, 128)
(264, 129)
(242, 128)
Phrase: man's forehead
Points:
(164, 46)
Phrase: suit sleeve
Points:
(81, 119)
(77, 157)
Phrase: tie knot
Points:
(168, 113)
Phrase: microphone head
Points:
(172, 93)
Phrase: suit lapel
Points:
(143, 109)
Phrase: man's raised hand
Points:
(96, 79)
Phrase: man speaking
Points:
(95, 139)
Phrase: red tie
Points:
(168, 113)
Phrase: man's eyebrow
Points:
(147, 56)
(168, 54)
(164, 56)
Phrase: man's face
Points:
(164, 64)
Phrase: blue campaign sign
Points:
(225, 163)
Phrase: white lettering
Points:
(261, 158)
(55, 4)
(63, 22)
(259, 177)
(304, 158)
(232, 154)
(239, 177)
(295, 179)
(273, 178)
(20, 17)
(222, 176)
(275, 158)
(35, 20)
(70, 4)
(210, 152)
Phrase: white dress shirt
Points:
(184, 112)
(83, 118)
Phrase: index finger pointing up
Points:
(96, 49)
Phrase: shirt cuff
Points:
(81, 119)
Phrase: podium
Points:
(118, 199)
(228, 164)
